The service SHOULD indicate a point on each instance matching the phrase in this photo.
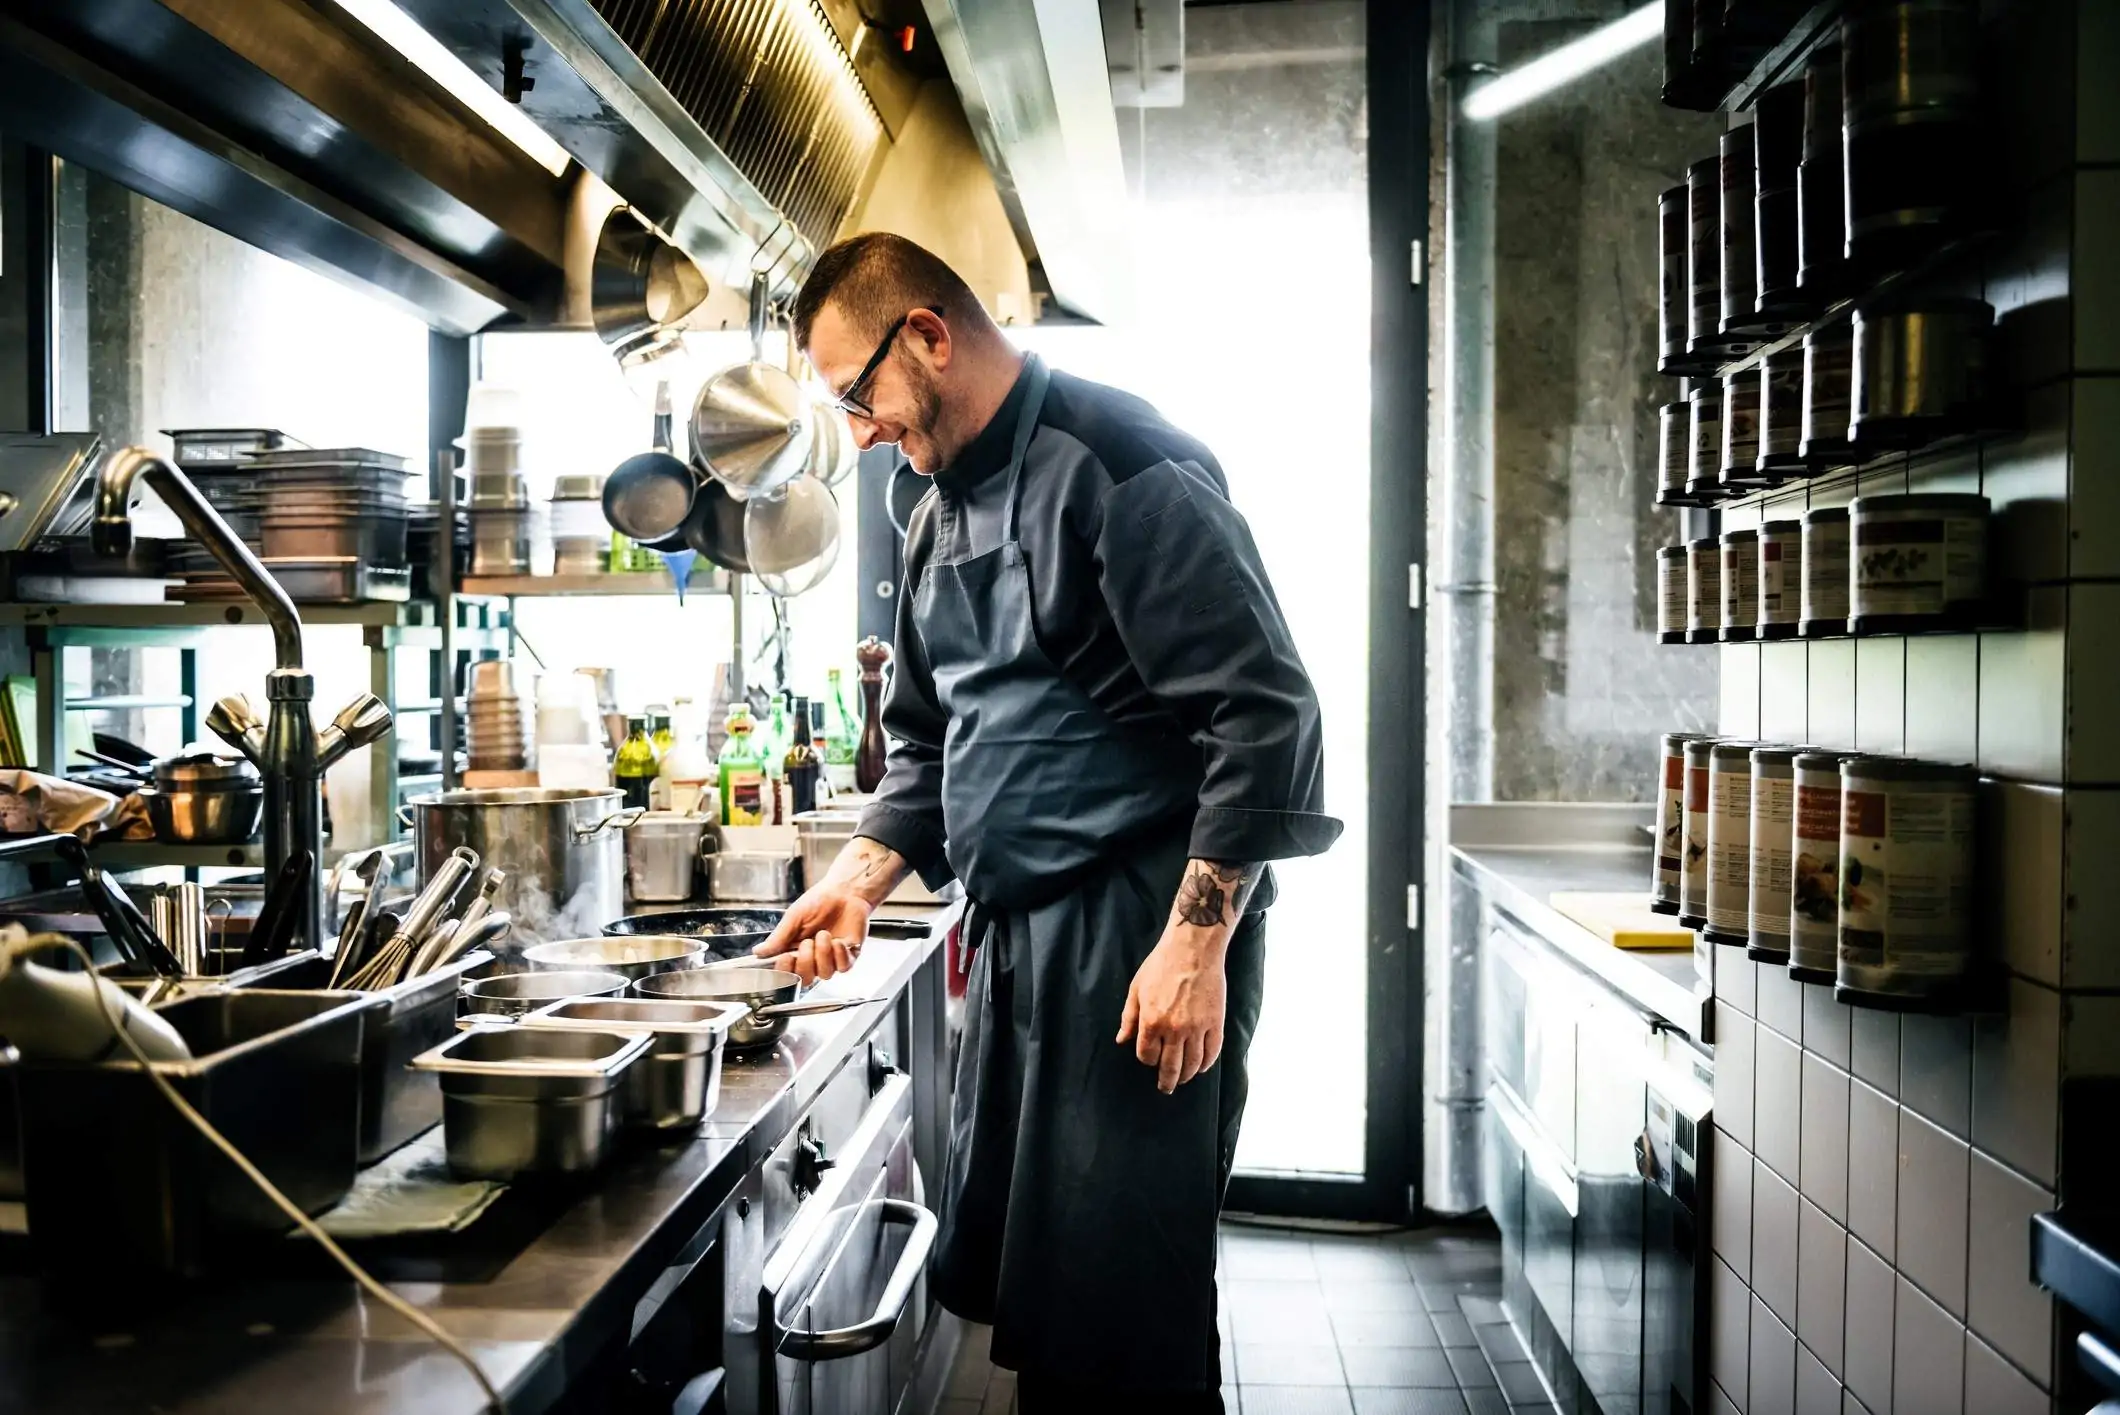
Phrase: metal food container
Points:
(679, 1083)
(662, 856)
(823, 834)
(116, 1179)
(531, 1100)
(633, 956)
(750, 878)
(562, 849)
(515, 994)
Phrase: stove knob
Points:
(809, 1163)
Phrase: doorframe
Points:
(1397, 65)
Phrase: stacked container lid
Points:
(328, 522)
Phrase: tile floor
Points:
(1323, 1324)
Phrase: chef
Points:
(1101, 727)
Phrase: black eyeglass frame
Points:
(851, 402)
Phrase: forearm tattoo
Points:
(1215, 892)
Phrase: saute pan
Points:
(768, 992)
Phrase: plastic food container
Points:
(1773, 853)
(1906, 882)
(1919, 562)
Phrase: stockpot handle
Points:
(842, 1342)
(617, 820)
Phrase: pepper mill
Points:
(872, 654)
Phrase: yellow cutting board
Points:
(1622, 920)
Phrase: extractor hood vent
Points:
(767, 81)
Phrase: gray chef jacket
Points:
(1149, 594)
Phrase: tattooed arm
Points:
(822, 932)
(1174, 1010)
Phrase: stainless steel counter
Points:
(318, 1347)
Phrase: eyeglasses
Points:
(854, 401)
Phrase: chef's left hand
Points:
(1175, 1006)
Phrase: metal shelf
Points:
(199, 616)
(125, 702)
(641, 585)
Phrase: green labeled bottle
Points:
(742, 773)
(842, 734)
(635, 768)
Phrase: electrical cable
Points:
(420, 1320)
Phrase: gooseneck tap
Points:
(288, 758)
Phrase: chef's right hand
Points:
(820, 935)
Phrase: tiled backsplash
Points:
(1875, 1174)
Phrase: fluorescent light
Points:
(427, 54)
(1541, 76)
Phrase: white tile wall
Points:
(1730, 1209)
(1773, 1373)
(1774, 1242)
(1932, 1211)
(1875, 1048)
(1866, 1357)
(2024, 875)
(2003, 1305)
(1722, 1404)
(2093, 497)
(1994, 1387)
(1942, 720)
(1780, 1001)
(2097, 103)
(1936, 1070)
(1823, 1162)
(1777, 1111)
(1821, 1284)
(2097, 282)
(1873, 1166)
(1928, 1357)
(2091, 945)
(1827, 1028)
(2093, 643)
(1817, 1391)
(1880, 694)
(1738, 713)
(2021, 694)
(1729, 1333)
(1783, 668)
(1849, 1405)
(1830, 707)
(2017, 1080)
(1736, 982)
(1733, 1070)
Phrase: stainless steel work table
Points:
(321, 1347)
(1522, 869)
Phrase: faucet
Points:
(288, 757)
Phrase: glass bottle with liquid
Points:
(634, 770)
(841, 731)
(742, 774)
(662, 739)
(801, 766)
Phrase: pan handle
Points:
(617, 820)
(810, 1009)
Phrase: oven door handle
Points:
(867, 1336)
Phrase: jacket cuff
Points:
(1249, 837)
(911, 837)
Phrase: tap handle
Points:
(364, 720)
(234, 719)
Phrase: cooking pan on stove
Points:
(732, 930)
(768, 992)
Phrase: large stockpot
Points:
(562, 850)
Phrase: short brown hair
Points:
(874, 278)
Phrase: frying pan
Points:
(737, 930)
(714, 527)
(648, 496)
(768, 992)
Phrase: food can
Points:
(1824, 610)
(1739, 291)
(1730, 843)
(1906, 881)
(1821, 204)
(1740, 585)
(1912, 118)
(1704, 342)
(1780, 580)
(1674, 449)
(1814, 868)
(1828, 397)
(1777, 136)
(1704, 458)
(1671, 594)
(1773, 853)
(1920, 562)
(1671, 822)
(1671, 298)
(1693, 857)
(1781, 418)
(1921, 372)
(1704, 598)
(1740, 432)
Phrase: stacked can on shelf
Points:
(1729, 842)
(1773, 820)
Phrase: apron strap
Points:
(1039, 377)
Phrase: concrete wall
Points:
(1875, 1174)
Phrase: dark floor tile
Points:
(955, 1406)
(1446, 1295)
(1308, 1326)
(1254, 1258)
(1398, 1366)
(1296, 1400)
(1368, 1263)
(1406, 1400)
(1288, 1365)
(1451, 1328)
(1384, 1329)
(1471, 1366)
(1480, 1265)
(1500, 1343)
(1346, 1296)
(1519, 1382)
(1537, 1407)
(1486, 1402)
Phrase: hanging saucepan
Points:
(832, 451)
(752, 426)
(791, 536)
(715, 527)
(768, 992)
(639, 283)
(648, 496)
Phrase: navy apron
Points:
(1079, 1203)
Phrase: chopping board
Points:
(1622, 920)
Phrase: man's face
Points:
(904, 392)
